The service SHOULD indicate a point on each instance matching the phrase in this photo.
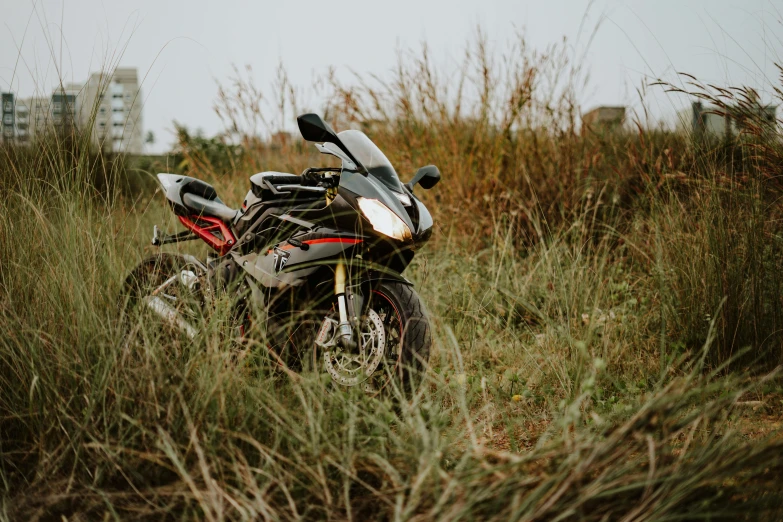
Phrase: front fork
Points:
(348, 308)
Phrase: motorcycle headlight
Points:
(383, 220)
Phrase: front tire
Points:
(406, 337)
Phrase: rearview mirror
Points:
(314, 128)
(427, 177)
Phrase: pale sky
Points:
(184, 48)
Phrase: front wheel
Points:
(393, 343)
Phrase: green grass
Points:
(544, 398)
(605, 311)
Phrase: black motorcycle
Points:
(313, 260)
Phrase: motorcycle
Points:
(314, 260)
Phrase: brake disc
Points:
(349, 368)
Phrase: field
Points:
(606, 305)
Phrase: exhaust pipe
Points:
(169, 314)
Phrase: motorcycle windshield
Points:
(369, 155)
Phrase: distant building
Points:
(603, 119)
(22, 116)
(699, 119)
(7, 116)
(65, 106)
(107, 105)
(39, 116)
(111, 107)
(23, 119)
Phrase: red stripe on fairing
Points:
(332, 240)
(321, 240)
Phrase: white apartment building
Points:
(31, 117)
(108, 105)
(111, 107)
(39, 115)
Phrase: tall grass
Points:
(576, 373)
(721, 236)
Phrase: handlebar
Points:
(314, 176)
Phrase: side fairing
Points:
(246, 212)
(286, 264)
(424, 230)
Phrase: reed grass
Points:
(604, 306)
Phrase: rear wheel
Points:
(164, 292)
(393, 343)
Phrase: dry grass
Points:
(574, 374)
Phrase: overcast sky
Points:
(184, 47)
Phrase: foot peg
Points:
(159, 239)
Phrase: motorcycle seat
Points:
(197, 187)
(208, 207)
(276, 178)
(270, 186)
